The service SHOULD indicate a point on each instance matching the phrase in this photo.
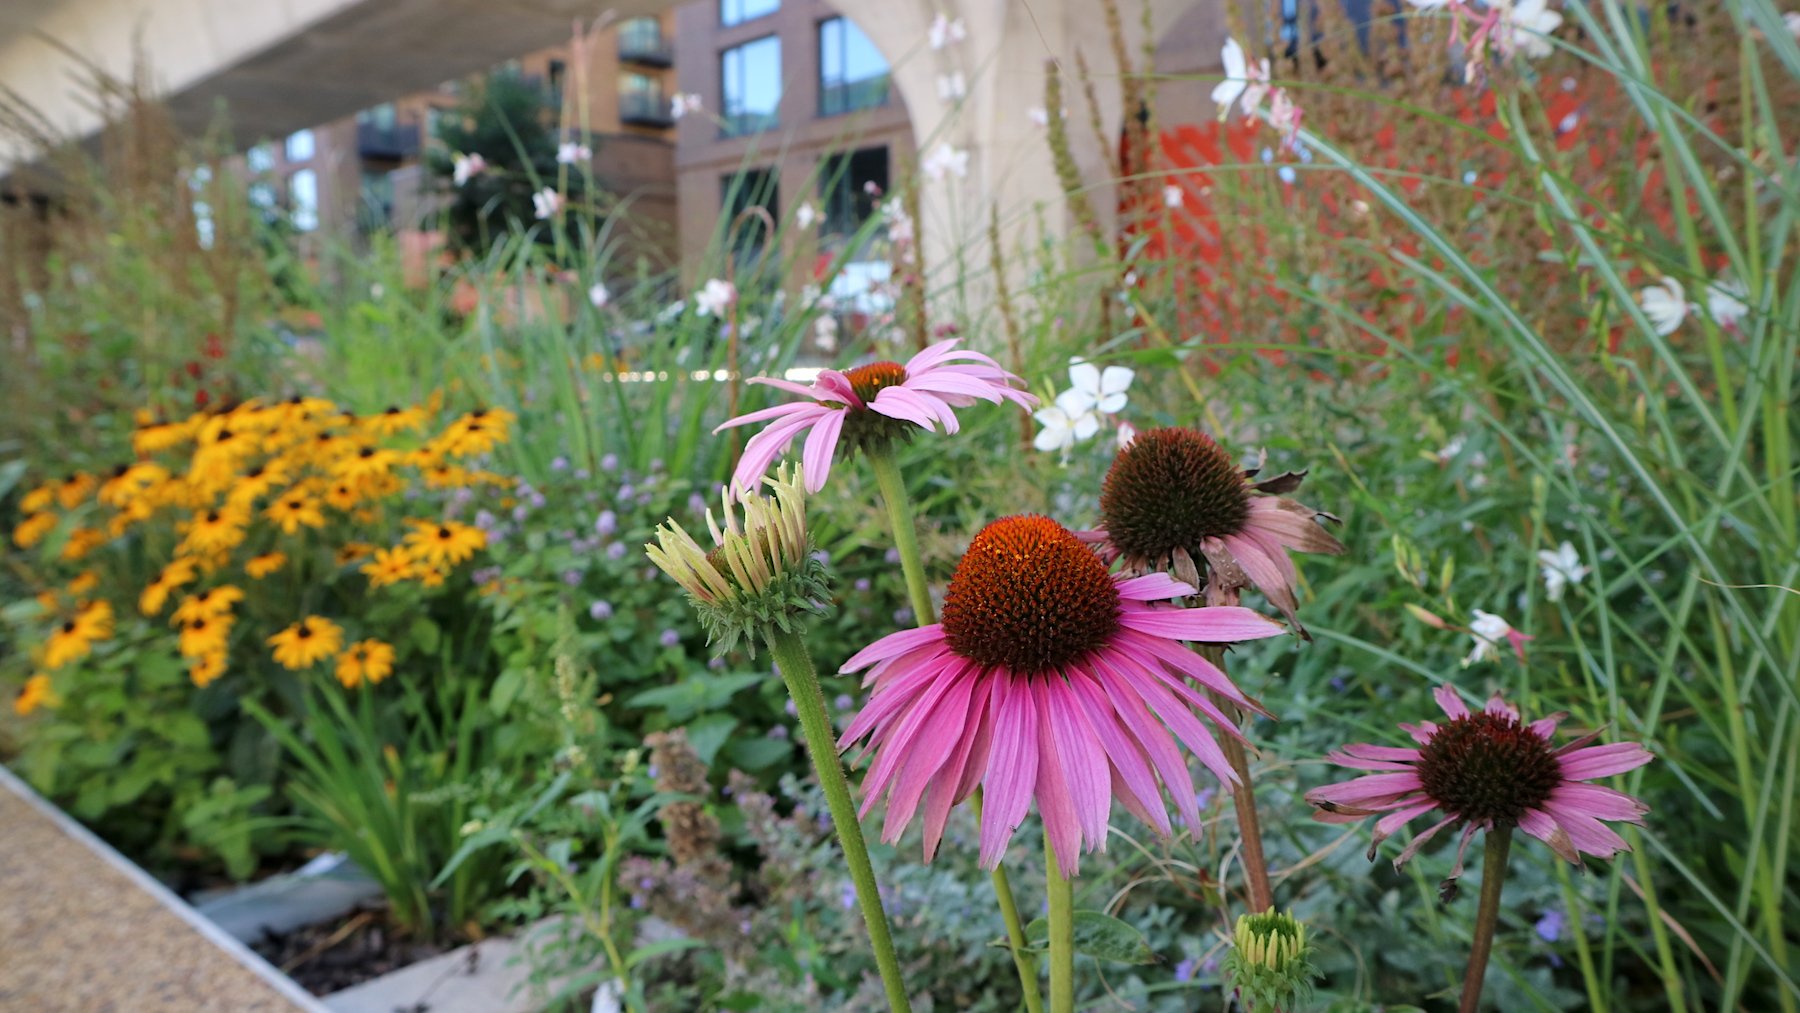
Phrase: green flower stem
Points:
(802, 681)
(1062, 934)
(1493, 877)
(906, 542)
(1023, 960)
(1243, 799)
(906, 538)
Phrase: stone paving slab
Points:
(83, 929)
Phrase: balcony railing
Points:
(394, 140)
(643, 42)
(645, 109)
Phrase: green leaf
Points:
(506, 690)
(1100, 936)
(708, 734)
(698, 694)
(757, 754)
(424, 634)
(650, 951)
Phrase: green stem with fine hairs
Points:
(1487, 917)
(1062, 933)
(802, 681)
(912, 564)
(1243, 800)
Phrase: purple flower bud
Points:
(609, 462)
(572, 578)
(778, 733)
(1550, 927)
(520, 512)
(656, 465)
(637, 902)
(893, 556)
(615, 551)
(792, 711)
(696, 503)
(1184, 971)
(582, 474)
(717, 664)
(627, 491)
(822, 556)
(485, 519)
(862, 585)
(606, 523)
(670, 638)
(903, 616)
(843, 702)
(538, 500)
(559, 463)
(462, 495)
(601, 609)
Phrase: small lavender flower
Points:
(538, 500)
(637, 902)
(609, 462)
(847, 896)
(485, 520)
(893, 556)
(822, 556)
(792, 711)
(903, 616)
(1550, 927)
(779, 733)
(696, 503)
(601, 609)
(843, 702)
(1184, 971)
(862, 585)
(572, 577)
(462, 496)
(656, 465)
(559, 463)
(521, 512)
(670, 638)
(615, 551)
(627, 491)
(606, 523)
(716, 664)
(582, 474)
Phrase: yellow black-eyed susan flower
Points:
(307, 642)
(205, 669)
(81, 542)
(211, 602)
(34, 694)
(365, 661)
(155, 595)
(74, 489)
(394, 420)
(294, 510)
(75, 638)
(213, 532)
(33, 528)
(205, 635)
(390, 566)
(258, 567)
(444, 543)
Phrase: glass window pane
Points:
(300, 146)
(750, 79)
(852, 73)
(303, 193)
(732, 12)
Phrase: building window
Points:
(260, 158)
(741, 191)
(733, 12)
(558, 72)
(850, 187)
(750, 86)
(382, 117)
(377, 210)
(303, 197)
(300, 146)
(852, 74)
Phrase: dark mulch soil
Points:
(337, 954)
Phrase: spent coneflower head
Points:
(1487, 770)
(871, 407)
(761, 571)
(1049, 679)
(1174, 501)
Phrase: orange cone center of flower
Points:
(868, 380)
(1488, 768)
(1172, 489)
(1029, 597)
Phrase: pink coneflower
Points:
(1048, 678)
(871, 406)
(1174, 498)
(1490, 771)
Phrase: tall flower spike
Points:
(872, 406)
(1487, 770)
(1048, 679)
(760, 572)
(1174, 499)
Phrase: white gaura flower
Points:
(1172, 196)
(1449, 451)
(573, 153)
(1561, 568)
(1104, 390)
(1488, 630)
(945, 160)
(1792, 20)
(825, 333)
(715, 297)
(805, 215)
(1038, 115)
(684, 103)
(944, 31)
(1432, 4)
(1725, 301)
(466, 167)
(1665, 304)
(952, 87)
(1125, 434)
(1529, 23)
(1244, 83)
(598, 295)
(545, 203)
(1069, 421)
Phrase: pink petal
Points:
(902, 408)
(1224, 624)
(766, 446)
(927, 752)
(1270, 572)
(1187, 662)
(1137, 784)
(1587, 833)
(1371, 791)
(944, 381)
(1545, 727)
(1180, 720)
(1365, 751)
(1083, 759)
(1599, 802)
(792, 388)
(1152, 587)
(905, 743)
(1421, 732)
(1603, 761)
(1540, 825)
(943, 793)
(1500, 708)
(1157, 743)
(1012, 768)
(1055, 800)
(1448, 699)
(1413, 846)
(930, 356)
(893, 645)
(1385, 826)
(772, 412)
(820, 444)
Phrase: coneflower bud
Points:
(760, 573)
(1267, 964)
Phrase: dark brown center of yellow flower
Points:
(392, 409)
(68, 626)
(224, 434)
(1172, 489)
(1488, 768)
(212, 517)
(443, 534)
(119, 471)
(1029, 597)
(296, 399)
(479, 413)
(198, 625)
(871, 430)
(366, 453)
(304, 631)
(254, 473)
